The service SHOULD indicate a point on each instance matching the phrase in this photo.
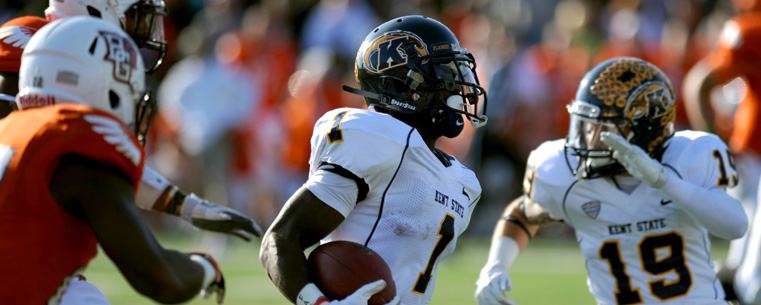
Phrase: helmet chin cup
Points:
(456, 102)
(478, 121)
(600, 162)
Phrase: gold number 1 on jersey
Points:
(446, 234)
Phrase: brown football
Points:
(341, 267)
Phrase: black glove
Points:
(211, 217)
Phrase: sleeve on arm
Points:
(545, 175)
(337, 187)
(704, 172)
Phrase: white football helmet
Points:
(142, 19)
(109, 10)
(83, 60)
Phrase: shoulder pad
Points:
(701, 158)
(360, 141)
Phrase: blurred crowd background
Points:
(244, 81)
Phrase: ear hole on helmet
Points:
(94, 12)
(113, 98)
(93, 45)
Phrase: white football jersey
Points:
(414, 207)
(639, 247)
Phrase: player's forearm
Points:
(158, 194)
(285, 263)
(511, 235)
(178, 280)
(515, 225)
(714, 209)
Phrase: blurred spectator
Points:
(340, 26)
(264, 46)
(204, 98)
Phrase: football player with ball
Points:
(376, 177)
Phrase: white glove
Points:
(493, 282)
(636, 161)
(310, 294)
(213, 281)
(211, 217)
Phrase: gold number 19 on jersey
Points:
(652, 264)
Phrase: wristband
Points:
(663, 177)
(209, 272)
(311, 295)
(151, 194)
(174, 202)
(504, 250)
(163, 201)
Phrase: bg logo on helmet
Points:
(387, 51)
(120, 51)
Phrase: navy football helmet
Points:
(415, 65)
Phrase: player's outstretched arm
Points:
(714, 209)
(103, 197)
(511, 235)
(157, 193)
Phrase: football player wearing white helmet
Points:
(641, 198)
(376, 176)
(142, 19)
(70, 165)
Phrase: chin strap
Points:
(364, 93)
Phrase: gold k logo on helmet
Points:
(387, 51)
(121, 52)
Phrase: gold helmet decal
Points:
(637, 90)
(613, 85)
(387, 51)
(653, 97)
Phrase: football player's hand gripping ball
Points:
(310, 294)
(364, 293)
(211, 217)
(636, 161)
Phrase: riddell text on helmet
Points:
(34, 100)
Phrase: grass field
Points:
(549, 272)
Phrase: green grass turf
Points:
(549, 272)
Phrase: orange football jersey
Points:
(739, 55)
(14, 35)
(40, 243)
